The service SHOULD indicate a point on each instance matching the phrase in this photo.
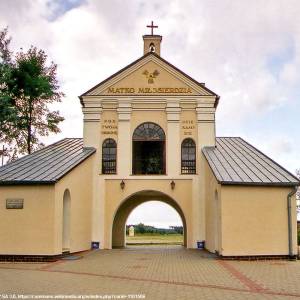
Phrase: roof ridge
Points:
(277, 164)
(234, 159)
(265, 172)
(73, 152)
(26, 159)
(251, 166)
(56, 159)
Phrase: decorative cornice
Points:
(92, 114)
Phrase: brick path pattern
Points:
(158, 272)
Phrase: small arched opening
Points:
(66, 222)
(152, 47)
(129, 204)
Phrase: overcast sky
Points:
(248, 52)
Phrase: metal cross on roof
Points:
(152, 26)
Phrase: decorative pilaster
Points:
(124, 139)
(206, 123)
(92, 111)
(173, 138)
(206, 137)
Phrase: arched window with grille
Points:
(109, 156)
(188, 156)
(148, 149)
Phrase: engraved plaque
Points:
(14, 203)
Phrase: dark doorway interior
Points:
(148, 157)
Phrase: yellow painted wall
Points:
(212, 211)
(255, 222)
(79, 182)
(27, 231)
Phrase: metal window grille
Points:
(188, 156)
(149, 132)
(109, 157)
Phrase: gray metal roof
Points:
(234, 161)
(47, 165)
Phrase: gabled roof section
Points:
(235, 162)
(199, 87)
(46, 166)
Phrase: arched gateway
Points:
(130, 203)
(148, 134)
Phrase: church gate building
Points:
(149, 134)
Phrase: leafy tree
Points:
(29, 86)
(7, 111)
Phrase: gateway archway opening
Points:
(154, 223)
(135, 200)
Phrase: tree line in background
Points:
(146, 229)
(28, 85)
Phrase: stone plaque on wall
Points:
(14, 203)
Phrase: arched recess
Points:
(216, 222)
(148, 149)
(66, 222)
(130, 203)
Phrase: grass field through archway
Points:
(148, 238)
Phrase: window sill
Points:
(148, 174)
(108, 174)
(189, 174)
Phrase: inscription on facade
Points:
(109, 126)
(14, 203)
(187, 126)
(149, 90)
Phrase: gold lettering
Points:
(149, 90)
(187, 133)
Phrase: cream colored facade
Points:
(185, 110)
(98, 205)
(247, 220)
(37, 228)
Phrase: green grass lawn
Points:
(155, 239)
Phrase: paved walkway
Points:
(154, 273)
